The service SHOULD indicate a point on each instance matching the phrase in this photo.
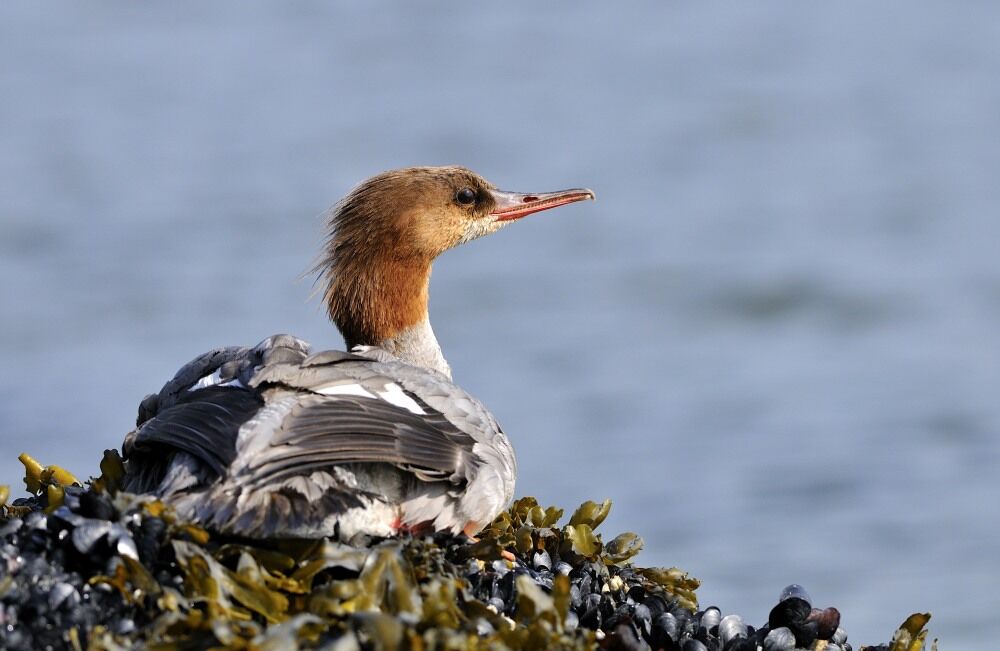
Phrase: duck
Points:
(278, 440)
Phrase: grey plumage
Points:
(270, 441)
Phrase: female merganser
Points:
(278, 441)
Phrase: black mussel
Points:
(149, 539)
(607, 606)
(472, 569)
(86, 536)
(624, 637)
(643, 619)
(586, 584)
(62, 518)
(694, 645)
(541, 560)
(657, 605)
(16, 639)
(575, 596)
(96, 505)
(636, 594)
(562, 567)
(793, 613)
(500, 567)
(664, 632)
(686, 620)
(543, 579)
(795, 590)
(61, 595)
(122, 540)
(731, 627)
(591, 617)
(572, 621)
(779, 639)
(839, 636)
(486, 586)
(620, 613)
(710, 618)
(124, 626)
(36, 542)
(506, 587)
(10, 527)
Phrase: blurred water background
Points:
(773, 341)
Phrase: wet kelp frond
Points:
(98, 568)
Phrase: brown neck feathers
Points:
(373, 298)
(382, 238)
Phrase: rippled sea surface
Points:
(773, 341)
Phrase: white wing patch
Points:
(353, 389)
(394, 394)
(215, 379)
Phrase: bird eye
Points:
(465, 196)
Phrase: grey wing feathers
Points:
(319, 430)
(269, 441)
(231, 363)
(203, 423)
(326, 430)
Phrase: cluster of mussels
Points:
(100, 569)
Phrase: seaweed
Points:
(90, 566)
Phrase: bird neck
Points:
(417, 345)
(382, 301)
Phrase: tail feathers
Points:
(300, 507)
(434, 509)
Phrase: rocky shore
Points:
(90, 567)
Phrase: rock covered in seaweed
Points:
(100, 569)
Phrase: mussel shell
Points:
(11, 526)
(779, 639)
(732, 627)
(793, 613)
(710, 619)
(624, 636)
(86, 536)
(562, 567)
(643, 619)
(94, 504)
(63, 594)
(657, 605)
(795, 590)
(590, 613)
(664, 627)
(826, 621)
